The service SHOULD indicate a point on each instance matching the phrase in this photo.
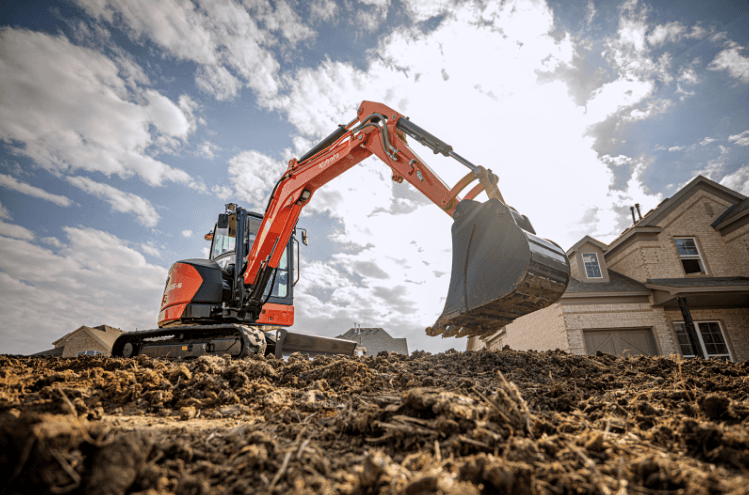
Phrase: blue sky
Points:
(126, 126)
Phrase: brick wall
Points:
(733, 322)
(660, 259)
(737, 245)
(541, 330)
(82, 341)
(601, 316)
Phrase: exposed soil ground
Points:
(458, 423)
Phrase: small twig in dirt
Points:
(75, 477)
(437, 453)
(280, 472)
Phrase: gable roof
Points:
(585, 239)
(57, 351)
(648, 229)
(731, 215)
(617, 283)
(670, 204)
(105, 334)
(376, 339)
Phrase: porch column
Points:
(689, 326)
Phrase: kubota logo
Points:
(173, 286)
(328, 161)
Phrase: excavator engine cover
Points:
(500, 271)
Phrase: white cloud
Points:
(94, 279)
(187, 233)
(67, 108)
(740, 139)
(120, 201)
(16, 185)
(733, 61)
(206, 149)
(252, 176)
(222, 192)
(222, 37)
(407, 74)
(677, 148)
(738, 180)
(323, 10)
(4, 213)
(15, 231)
(150, 250)
(217, 81)
(52, 241)
(707, 141)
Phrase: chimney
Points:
(632, 209)
(637, 205)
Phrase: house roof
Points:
(732, 214)
(648, 227)
(699, 182)
(700, 282)
(57, 351)
(585, 239)
(103, 333)
(617, 283)
(377, 338)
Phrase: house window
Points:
(592, 268)
(710, 338)
(690, 255)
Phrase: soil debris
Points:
(453, 423)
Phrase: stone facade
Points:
(658, 258)
(86, 338)
(375, 340)
(643, 275)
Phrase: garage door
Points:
(621, 341)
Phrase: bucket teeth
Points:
(500, 272)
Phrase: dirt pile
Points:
(506, 422)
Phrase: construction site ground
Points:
(458, 423)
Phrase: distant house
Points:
(84, 340)
(626, 298)
(373, 340)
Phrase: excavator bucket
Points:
(500, 271)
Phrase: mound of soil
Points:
(454, 423)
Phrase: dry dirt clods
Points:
(458, 423)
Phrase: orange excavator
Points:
(240, 300)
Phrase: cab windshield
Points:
(222, 243)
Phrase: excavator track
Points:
(233, 339)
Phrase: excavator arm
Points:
(475, 305)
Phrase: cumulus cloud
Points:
(187, 233)
(15, 231)
(740, 139)
(393, 270)
(4, 213)
(10, 182)
(732, 60)
(738, 180)
(150, 250)
(120, 201)
(94, 279)
(230, 42)
(252, 176)
(67, 108)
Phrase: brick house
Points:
(90, 340)
(373, 340)
(626, 297)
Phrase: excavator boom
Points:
(500, 271)
(233, 302)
